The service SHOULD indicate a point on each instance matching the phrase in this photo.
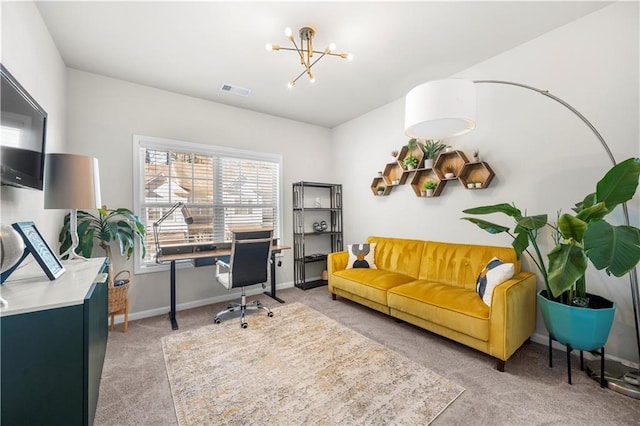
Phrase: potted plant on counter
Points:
(573, 316)
(119, 225)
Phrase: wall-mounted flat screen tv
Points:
(24, 130)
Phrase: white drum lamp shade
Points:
(71, 182)
(440, 108)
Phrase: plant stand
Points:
(603, 382)
(119, 299)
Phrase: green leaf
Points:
(532, 222)
(520, 243)
(619, 184)
(505, 208)
(571, 227)
(596, 211)
(616, 248)
(491, 228)
(567, 263)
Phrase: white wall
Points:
(31, 57)
(105, 113)
(543, 156)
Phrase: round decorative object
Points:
(11, 247)
(320, 226)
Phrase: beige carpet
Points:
(299, 367)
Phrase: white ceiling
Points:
(194, 47)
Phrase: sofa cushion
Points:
(399, 255)
(456, 308)
(371, 284)
(459, 264)
(494, 273)
(361, 256)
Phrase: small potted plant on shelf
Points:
(380, 190)
(476, 155)
(410, 162)
(394, 153)
(429, 187)
(471, 184)
(431, 149)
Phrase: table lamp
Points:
(71, 182)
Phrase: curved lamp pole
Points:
(465, 122)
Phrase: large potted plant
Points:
(573, 316)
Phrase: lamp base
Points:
(614, 373)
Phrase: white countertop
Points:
(29, 289)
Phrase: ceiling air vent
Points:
(236, 90)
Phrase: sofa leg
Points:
(500, 366)
(333, 296)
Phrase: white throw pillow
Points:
(495, 273)
(361, 256)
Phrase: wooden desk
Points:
(215, 253)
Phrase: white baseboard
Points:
(543, 339)
(163, 310)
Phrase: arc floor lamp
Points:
(445, 108)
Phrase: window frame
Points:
(152, 142)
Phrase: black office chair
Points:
(248, 265)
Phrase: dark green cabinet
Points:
(52, 358)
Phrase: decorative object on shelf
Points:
(320, 226)
(380, 174)
(380, 190)
(305, 51)
(410, 161)
(476, 155)
(38, 247)
(447, 108)
(317, 204)
(478, 185)
(429, 187)
(471, 184)
(449, 172)
(395, 153)
(431, 149)
(71, 182)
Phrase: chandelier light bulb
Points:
(306, 52)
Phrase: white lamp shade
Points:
(71, 182)
(440, 108)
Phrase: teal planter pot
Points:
(585, 329)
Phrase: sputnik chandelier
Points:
(306, 52)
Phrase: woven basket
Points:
(118, 295)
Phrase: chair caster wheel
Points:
(216, 320)
(244, 325)
(270, 314)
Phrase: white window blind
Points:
(222, 188)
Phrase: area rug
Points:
(297, 368)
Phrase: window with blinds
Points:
(221, 188)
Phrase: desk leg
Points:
(172, 314)
(273, 280)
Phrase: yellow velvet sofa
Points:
(433, 285)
